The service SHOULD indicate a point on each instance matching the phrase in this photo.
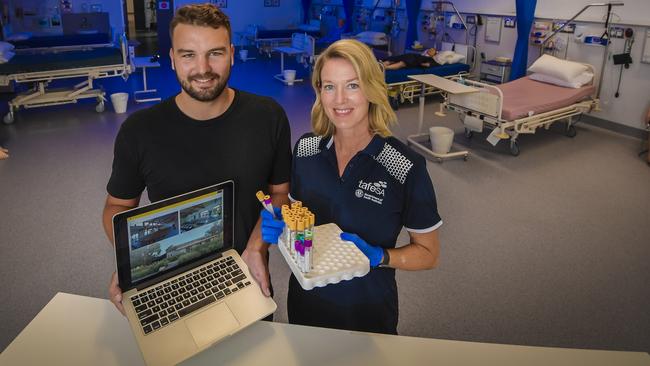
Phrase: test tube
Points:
(309, 235)
(285, 218)
(292, 236)
(265, 200)
(300, 244)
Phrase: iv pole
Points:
(605, 35)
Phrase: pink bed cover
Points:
(524, 95)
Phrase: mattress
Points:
(524, 95)
(401, 75)
(65, 40)
(21, 64)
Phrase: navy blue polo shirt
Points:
(384, 187)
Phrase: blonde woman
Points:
(350, 171)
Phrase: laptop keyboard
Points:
(170, 301)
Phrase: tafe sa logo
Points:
(377, 188)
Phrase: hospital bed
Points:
(401, 88)
(520, 107)
(45, 63)
(265, 40)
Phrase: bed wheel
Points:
(100, 107)
(571, 131)
(8, 118)
(514, 148)
(439, 160)
(469, 134)
(466, 157)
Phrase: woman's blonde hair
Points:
(371, 80)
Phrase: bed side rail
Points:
(488, 101)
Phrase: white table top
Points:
(144, 61)
(443, 84)
(78, 330)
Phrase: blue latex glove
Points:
(374, 253)
(272, 227)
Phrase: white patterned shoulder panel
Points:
(308, 146)
(395, 163)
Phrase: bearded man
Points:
(206, 134)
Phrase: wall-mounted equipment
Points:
(569, 28)
(590, 35)
(645, 56)
(616, 32)
(539, 32)
(455, 22)
(470, 19)
(509, 22)
(624, 59)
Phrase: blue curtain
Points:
(412, 10)
(306, 4)
(348, 8)
(525, 17)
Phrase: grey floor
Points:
(551, 248)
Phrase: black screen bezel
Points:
(120, 232)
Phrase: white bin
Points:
(120, 101)
(289, 76)
(441, 139)
(243, 54)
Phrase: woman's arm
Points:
(421, 253)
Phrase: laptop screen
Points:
(158, 241)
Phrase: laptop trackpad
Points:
(212, 324)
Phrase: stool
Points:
(145, 62)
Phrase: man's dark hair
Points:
(203, 15)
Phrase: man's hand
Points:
(272, 227)
(115, 294)
(256, 261)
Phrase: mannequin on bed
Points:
(411, 60)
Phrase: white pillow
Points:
(577, 82)
(5, 47)
(448, 57)
(557, 68)
(6, 56)
(372, 35)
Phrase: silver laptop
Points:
(184, 286)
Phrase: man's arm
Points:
(111, 207)
(256, 252)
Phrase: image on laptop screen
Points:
(173, 235)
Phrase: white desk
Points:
(77, 330)
(144, 63)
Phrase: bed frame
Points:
(40, 96)
(400, 92)
(484, 109)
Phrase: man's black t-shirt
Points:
(168, 153)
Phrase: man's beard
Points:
(205, 95)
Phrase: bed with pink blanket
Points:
(520, 106)
(526, 97)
